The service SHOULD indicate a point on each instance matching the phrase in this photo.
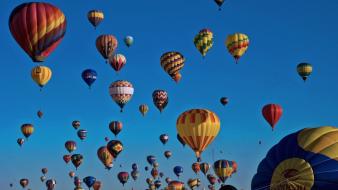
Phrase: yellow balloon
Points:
(41, 75)
(237, 44)
(198, 128)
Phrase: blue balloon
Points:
(134, 166)
(178, 170)
(151, 159)
(89, 76)
(89, 181)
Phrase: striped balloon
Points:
(224, 169)
(160, 99)
(121, 92)
(115, 127)
(198, 128)
(106, 45)
(204, 41)
(82, 134)
(143, 108)
(38, 28)
(172, 62)
(237, 45)
(70, 146)
(176, 185)
(41, 75)
(95, 17)
(27, 129)
(304, 70)
(105, 157)
(117, 62)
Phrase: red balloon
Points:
(272, 113)
(67, 158)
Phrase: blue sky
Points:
(282, 33)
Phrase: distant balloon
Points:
(224, 169)
(205, 167)
(151, 159)
(143, 108)
(212, 179)
(39, 114)
(237, 45)
(123, 177)
(70, 146)
(168, 180)
(76, 124)
(67, 158)
(89, 76)
(42, 178)
(95, 17)
(160, 99)
(172, 63)
(121, 92)
(224, 101)
(164, 138)
(146, 168)
(50, 184)
(77, 160)
(304, 70)
(117, 62)
(24, 182)
(167, 154)
(77, 182)
(272, 114)
(44, 171)
(204, 41)
(161, 174)
(97, 185)
(157, 184)
(135, 174)
(106, 45)
(196, 167)
(20, 141)
(115, 127)
(106, 139)
(27, 130)
(128, 40)
(71, 174)
(154, 173)
(89, 181)
(115, 147)
(82, 134)
(178, 170)
(41, 75)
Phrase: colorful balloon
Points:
(44, 171)
(304, 70)
(50, 184)
(272, 114)
(117, 62)
(160, 99)
(157, 184)
(198, 128)
(67, 158)
(194, 183)
(121, 92)
(172, 62)
(176, 185)
(212, 179)
(41, 75)
(77, 160)
(76, 124)
(42, 178)
(105, 157)
(115, 127)
(151, 159)
(27, 130)
(164, 138)
(82, 134)
(77, 182)
(70, 146)
(20, 141)
(24, 182)
(196, 167)
(237, 45)
(143, 108)
(38, 28)
(115, 147)
(95, 17)
(224, 169)
(89, 76)
(306, 159)
(106, 45)
(168, 180)
(203, 41)
(128, 40)
(123, 177)
(205, 167)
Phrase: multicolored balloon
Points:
(105, 157)
(117, 62)
(304, 70)
(204, 167)
(151, 159)
(27, 130)
(196, 167)
(237, 45)
(44, 171)
(176, 185)
(82, 134)
(115, 147)
(77, 160)
(204, 41)
(41, 75)
(160, 99)
(71, 174)
(272, 114)
(172, 62)
(194, 183)
(121, 92)
(89, 76)
(135, 174)
(164, 138)
(143, 108)
(224, 169)
(70, 146)
(95, 17)
(106, 45)
(38, 28)
(115, 127)
(128, 40)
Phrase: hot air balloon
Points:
(117, 62)
(38, 28)
(82, 134)
(164, 138)
(115, 127)
(168, 180)
(44, 171)
(149, 181)
(194, 183)
(160, 99)
(70, 146)
(157, 184)
(89, 76)
(155, 164)
(135, 174)
(272, 113)
(106, 139)
(179, 138)
(176, 185)
(76, 124)
(67, 158)
(196, 167)
(95, 17)
(143, 108)
(146, 168)
(154, 173)
(172, 62)
(219, 3)
(106, 45)
(77, 182)
(237, 45)
(50, 184)
(224, 169)
(304, 70)
(77, 160)
(121, 92)
(39, 114)
(203, 41)
(128, 40)
(224, 101)
(24, 182)
(97, 185)
(212, 179)
(27, 130)
(205, 167)
(151, 159)
(227, 187)
(11, 184)
(115, 147)
(178, 170)
(42, 178)
(89, 181)
(41, 75)
(198, 128)
(161, 174)
(167, 154)
(20, 141)
(305, 159)
(71, 174)
(123, 177)
(105, 157)
(134, 166)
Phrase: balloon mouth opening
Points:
(38, 58)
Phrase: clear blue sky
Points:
(282, 33)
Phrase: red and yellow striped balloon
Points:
(27, 129)
(106, 45)
(38, 28)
